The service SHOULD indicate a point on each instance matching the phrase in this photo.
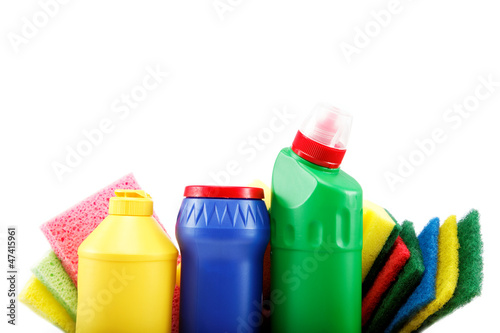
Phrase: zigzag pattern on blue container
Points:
(223, 213)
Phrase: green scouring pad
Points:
(407, 281)
(470, 265)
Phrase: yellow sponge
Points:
(377, 226)
(267, 191)
(41, 301)
(447, 273)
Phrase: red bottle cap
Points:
(317, 153)
(323, 137)
(236, 192)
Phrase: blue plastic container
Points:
(222, 234)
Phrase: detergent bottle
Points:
(223, 232)
(316, 231)
(126, 270)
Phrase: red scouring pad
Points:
(386, 277)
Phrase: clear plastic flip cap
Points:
(328, 126)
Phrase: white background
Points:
(229, 74)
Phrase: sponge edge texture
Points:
(470, 264)
(377, 226)
(406, 282)
(51, 274)
(175, 309)
(397, 259)
(69, 229)
(383, 256)
(447, 274)
(40, 300)
(426, 290)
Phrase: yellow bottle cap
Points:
(131, 202)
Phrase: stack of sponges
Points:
(381, 259)
(440, 271)
(397, 260)
(403, 286)
(426, 290)
(379, 234)
(51, 274)
(52, 292)
(470, 268)
(446, 276)
(37, 297)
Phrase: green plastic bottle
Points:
(316, 231)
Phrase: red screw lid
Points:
(322, 138)
(316, 152)
(236, 192)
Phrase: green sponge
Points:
(53, 276)
(382, 257)
(407, 281)
(470, 267)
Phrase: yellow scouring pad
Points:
(447, 273)
(377, 226)
(36, 296)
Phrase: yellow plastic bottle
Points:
(126, 271)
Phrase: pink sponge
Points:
(176, 303)
(69, 229)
